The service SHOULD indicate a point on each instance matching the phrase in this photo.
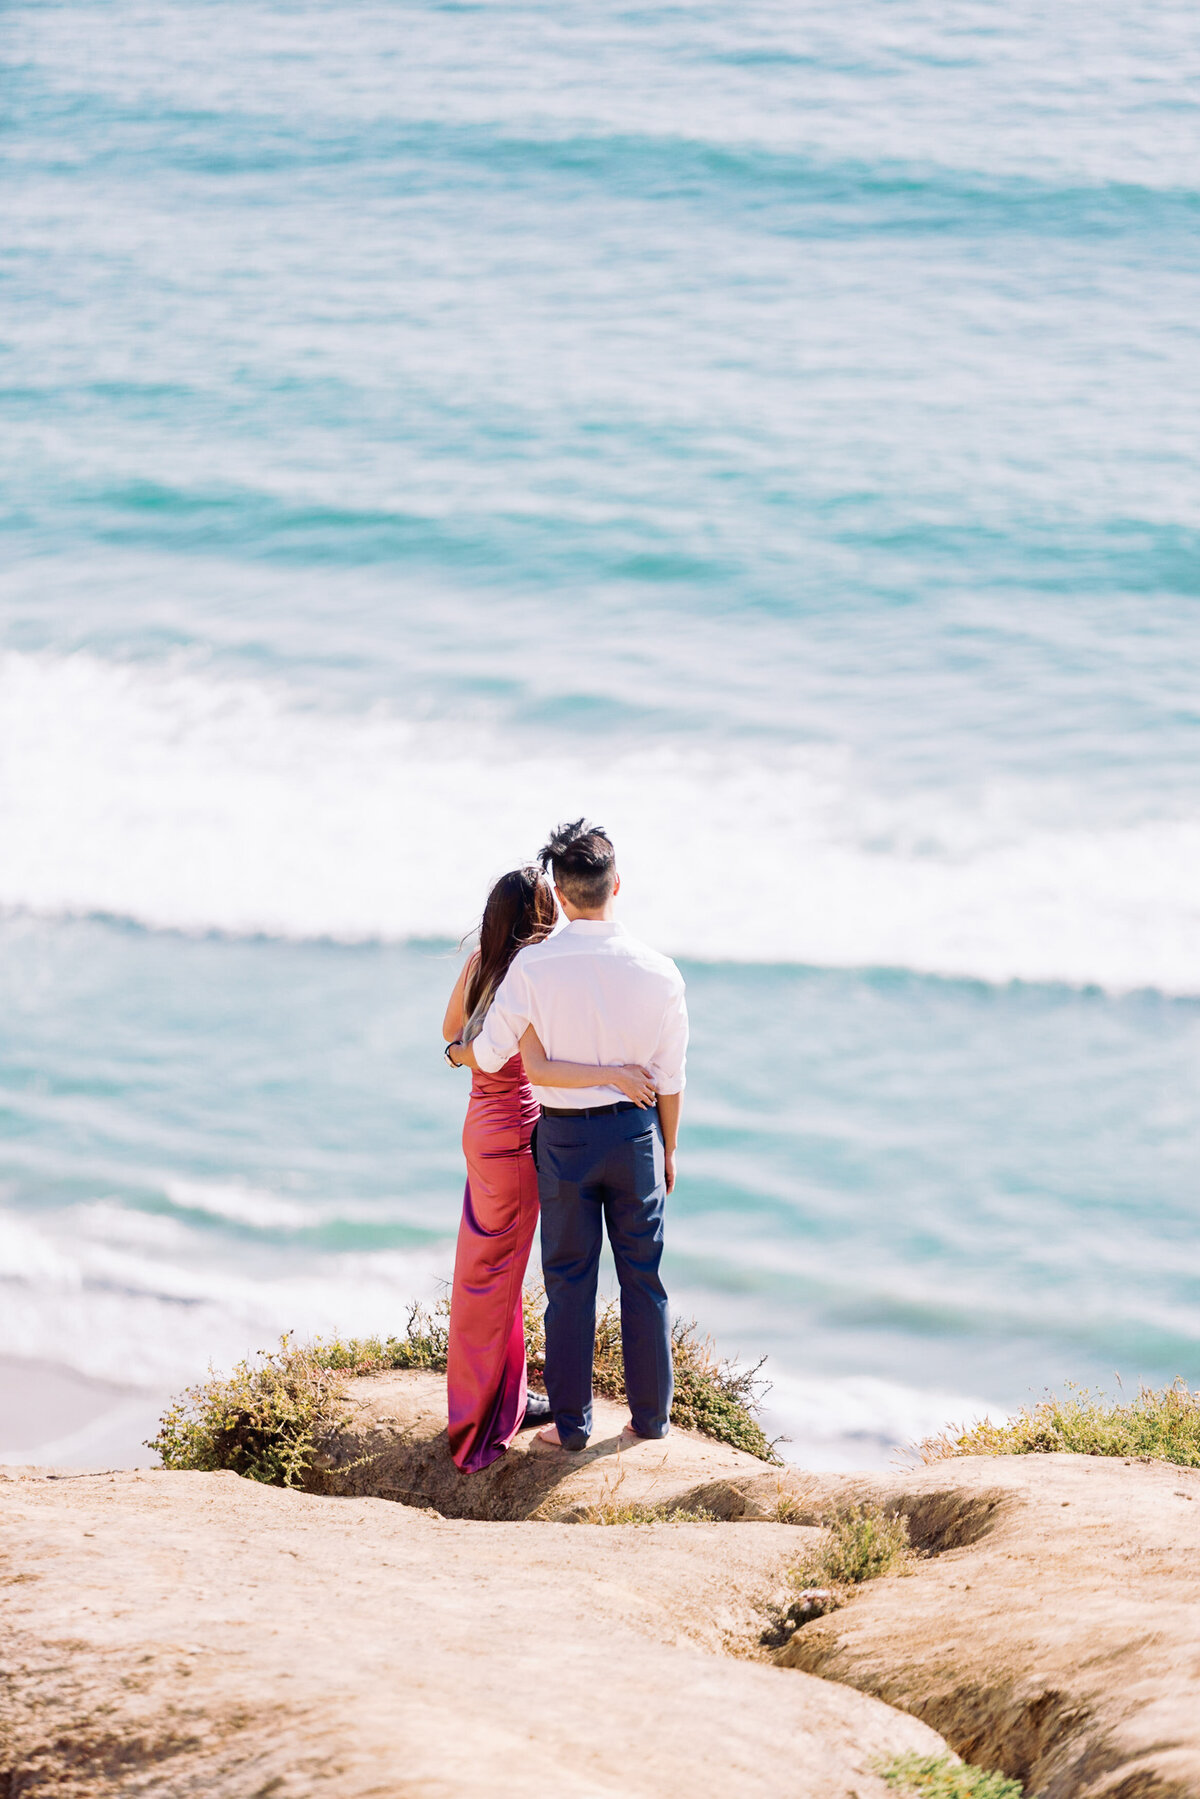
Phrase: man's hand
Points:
(669, 1165)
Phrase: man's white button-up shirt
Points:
(595, 994)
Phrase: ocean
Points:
(773, 433)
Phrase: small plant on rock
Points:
(859, 1543)
(259, 1422)
(789, 1507)
(941, 1777)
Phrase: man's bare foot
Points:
(550, 1436)
(629, 1436)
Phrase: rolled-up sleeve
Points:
(506, 1022)
(668, 1067)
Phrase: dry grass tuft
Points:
(789, 1508)
(636, 1511)
(610, 1508)
(1163, 1425)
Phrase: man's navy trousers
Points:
(604, 1172)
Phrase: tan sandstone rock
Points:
(393, 1446)
(196, 1634)
(171, 1634)
(1053, 1629)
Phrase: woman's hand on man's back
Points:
(634, 1082)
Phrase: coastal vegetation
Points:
(712, 1395)
(1161, 1425)
(941, 1777)
(635, 1511)
(263, 1419)
(858, 1543)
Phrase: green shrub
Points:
(940, 1777)
(1161, 1424)
(263, 1419)
(259, 1422)
(860, 1542)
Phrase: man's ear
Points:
(616, 883)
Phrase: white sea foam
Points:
(243, 1205)
(263, 1211)
(82, 1292)
(861, 1421)
(186, 802)
(29, 1258)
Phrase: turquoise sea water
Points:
(773, 433)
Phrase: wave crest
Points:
(190, 803)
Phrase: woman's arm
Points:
(631, 1080)
(452, 1024)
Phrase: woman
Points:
(486, 1375)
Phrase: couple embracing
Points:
(576, 1040)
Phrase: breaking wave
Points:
(191, 803)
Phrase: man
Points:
(595, 994)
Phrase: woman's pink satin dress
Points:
(486, 1368)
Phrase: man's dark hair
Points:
(582, 862)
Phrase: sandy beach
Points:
(54, 1417)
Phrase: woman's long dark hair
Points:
(520, 909)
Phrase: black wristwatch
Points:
(446, 1052)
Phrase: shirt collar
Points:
(595, 927)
